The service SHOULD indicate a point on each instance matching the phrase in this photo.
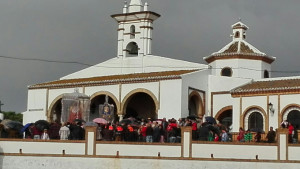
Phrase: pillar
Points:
(282, 138)
(90, 138)
(186, 141)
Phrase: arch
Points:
(195, 102)
(287, 110)
(226, 71)
(132, 49)
(127, 98)
(249, 111)
(225, 116)
(132, 32)
(266, 74)
(237, 34)
(112, 96)
(52, 108)
(98, 100)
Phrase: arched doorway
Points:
(195, 104)
(294, 118)
(95, 105)
(255, 122)
(55, 112)
(140, 105)
(225, 117)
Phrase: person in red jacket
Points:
(291, 129)
(216, 139)
(194, 130)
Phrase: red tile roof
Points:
(113, 79)
(268, 87)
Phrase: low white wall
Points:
(230, 151)
(23, 162)
(293, 153)
(42, 147)
(138, 150)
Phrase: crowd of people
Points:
(162, 130)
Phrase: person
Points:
(295, 135)
(257, 137)
(224, 136)
(54, 130)
(216, 139)
(241, 136)
(248, 136)
(271, 136)
(76, 132)
(35, 132)
(203, 132)
(211, 136)
(119, 133)
(130, 133)
(194, 130)
(108, 132)
(156, 132)
(284, 124)
(64, 132)
(149, 133)
(45, 135)
(291, 131)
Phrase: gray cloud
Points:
(83, 31)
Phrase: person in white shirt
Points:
(45, 135)
(64, 132)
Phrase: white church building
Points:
(234, 86)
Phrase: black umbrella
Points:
(14, 125)
(126, 121)
(192, 117)
(210, 120)
(42, 124)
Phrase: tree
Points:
(13, 116)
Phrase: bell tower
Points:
(135, 27)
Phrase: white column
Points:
(282, 138)
(186, 141)
(90, 137)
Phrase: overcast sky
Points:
(83, 31)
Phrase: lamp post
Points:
(271, 107)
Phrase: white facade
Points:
(174, 88)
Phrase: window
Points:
(237, 34)
(255, 122)
(226, 72)
(266, 74)
(132, 32)
(132, 49)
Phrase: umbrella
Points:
(127, 121)
(42, 124)
(14, 125)
(25, 127)
(4, 122)
(80, 121)
(90, 123)
(210, 120)
(100, 120)
(192, 117)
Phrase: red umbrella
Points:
(100, 120)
